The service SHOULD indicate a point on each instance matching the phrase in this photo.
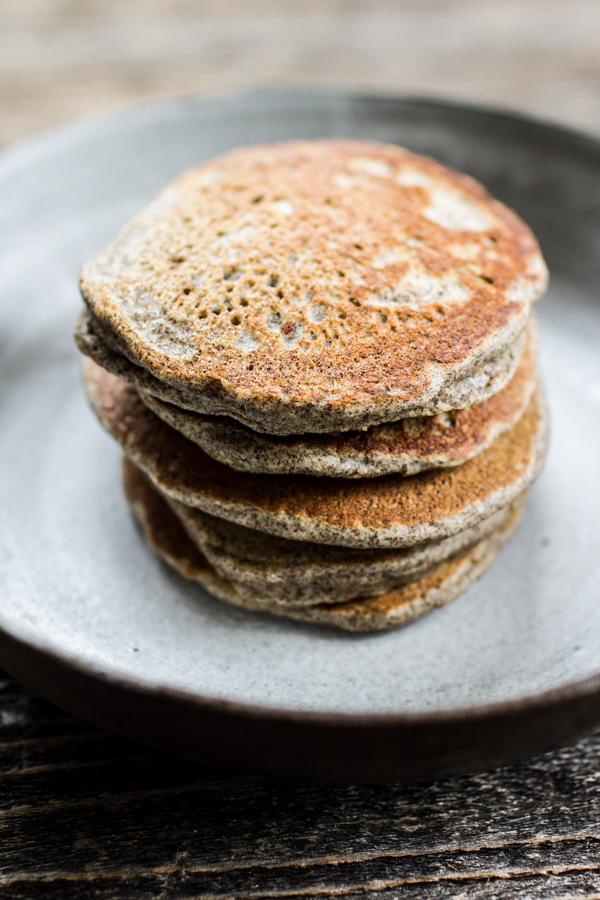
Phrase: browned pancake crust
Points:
(162, 526)
(391, 511)
(318, 285)
(442, 584)
(475, 387)
(407, 446)
(411, 601)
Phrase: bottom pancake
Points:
(299, 573)
(441, 584)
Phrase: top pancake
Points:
(317, 286)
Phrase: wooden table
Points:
(87, 814)
(65, 58)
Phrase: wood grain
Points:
(84, 813)
(64, 58)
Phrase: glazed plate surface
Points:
(91, 618)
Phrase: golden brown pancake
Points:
(318, 286)
(439, 586)
(490, 377)
(391, 511)
(298, 573)
(407, 446)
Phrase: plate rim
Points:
(34, 652)
(549, 698)
(43, 139)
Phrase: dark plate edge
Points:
(322, 746)
(17, 152)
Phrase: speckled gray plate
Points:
(92, 620)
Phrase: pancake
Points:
(391, 511)
(439, 586)
(490, 377)
(317, 286)
(299, 573)
(407, 446)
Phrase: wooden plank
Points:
(500, 875)
(89, 814)
(60, 60)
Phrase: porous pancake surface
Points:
(391, 609)
(475, 387)
(407, 446)
(391, 511)
(316, 286)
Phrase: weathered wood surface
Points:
(86, 814)
(64, 58)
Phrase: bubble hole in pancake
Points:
(317, 286)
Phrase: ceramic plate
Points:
(92, 620)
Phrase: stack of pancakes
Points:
(319, 360)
